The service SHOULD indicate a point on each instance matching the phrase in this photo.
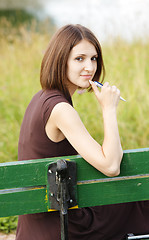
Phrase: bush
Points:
(8, 224)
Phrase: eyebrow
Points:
(82, 54)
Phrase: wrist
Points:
(108, 111)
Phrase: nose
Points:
(89, 66)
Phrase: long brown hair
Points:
(53, 73)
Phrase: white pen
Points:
(100, 85)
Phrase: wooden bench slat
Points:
(23, 184)
(23, 202)
(112, 192)
(33, 172)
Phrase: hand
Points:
(108, 97)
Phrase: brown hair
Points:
(53, 73)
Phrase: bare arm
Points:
(105, 158)
(109, 99)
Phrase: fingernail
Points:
(90, 81)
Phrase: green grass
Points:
(20, 59)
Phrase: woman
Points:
(51, 127)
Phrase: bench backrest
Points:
(24, 184)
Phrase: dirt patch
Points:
(7, 236)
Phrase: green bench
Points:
(42, 185)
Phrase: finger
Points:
(118, 91)
(93, 85)
(114, 88)
(95, 88)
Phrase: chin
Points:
(87, 85)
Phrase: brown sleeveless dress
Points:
(110, 222)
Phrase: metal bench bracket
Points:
(62, 190)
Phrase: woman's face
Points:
(81, 65)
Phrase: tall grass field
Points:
(127, 67)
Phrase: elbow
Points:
(121, 155)
(113, 172)
(114, 169)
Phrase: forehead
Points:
(84, 47)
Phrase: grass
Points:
(126, 67)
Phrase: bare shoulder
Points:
(64, 112)
(63, 118)
(61, 106)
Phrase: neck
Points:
(71, 88)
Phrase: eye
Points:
(94, 58)
(79, 59)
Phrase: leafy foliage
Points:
(8, 224)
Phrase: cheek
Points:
(73, 70)
(71, 73)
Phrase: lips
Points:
(86, 76)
